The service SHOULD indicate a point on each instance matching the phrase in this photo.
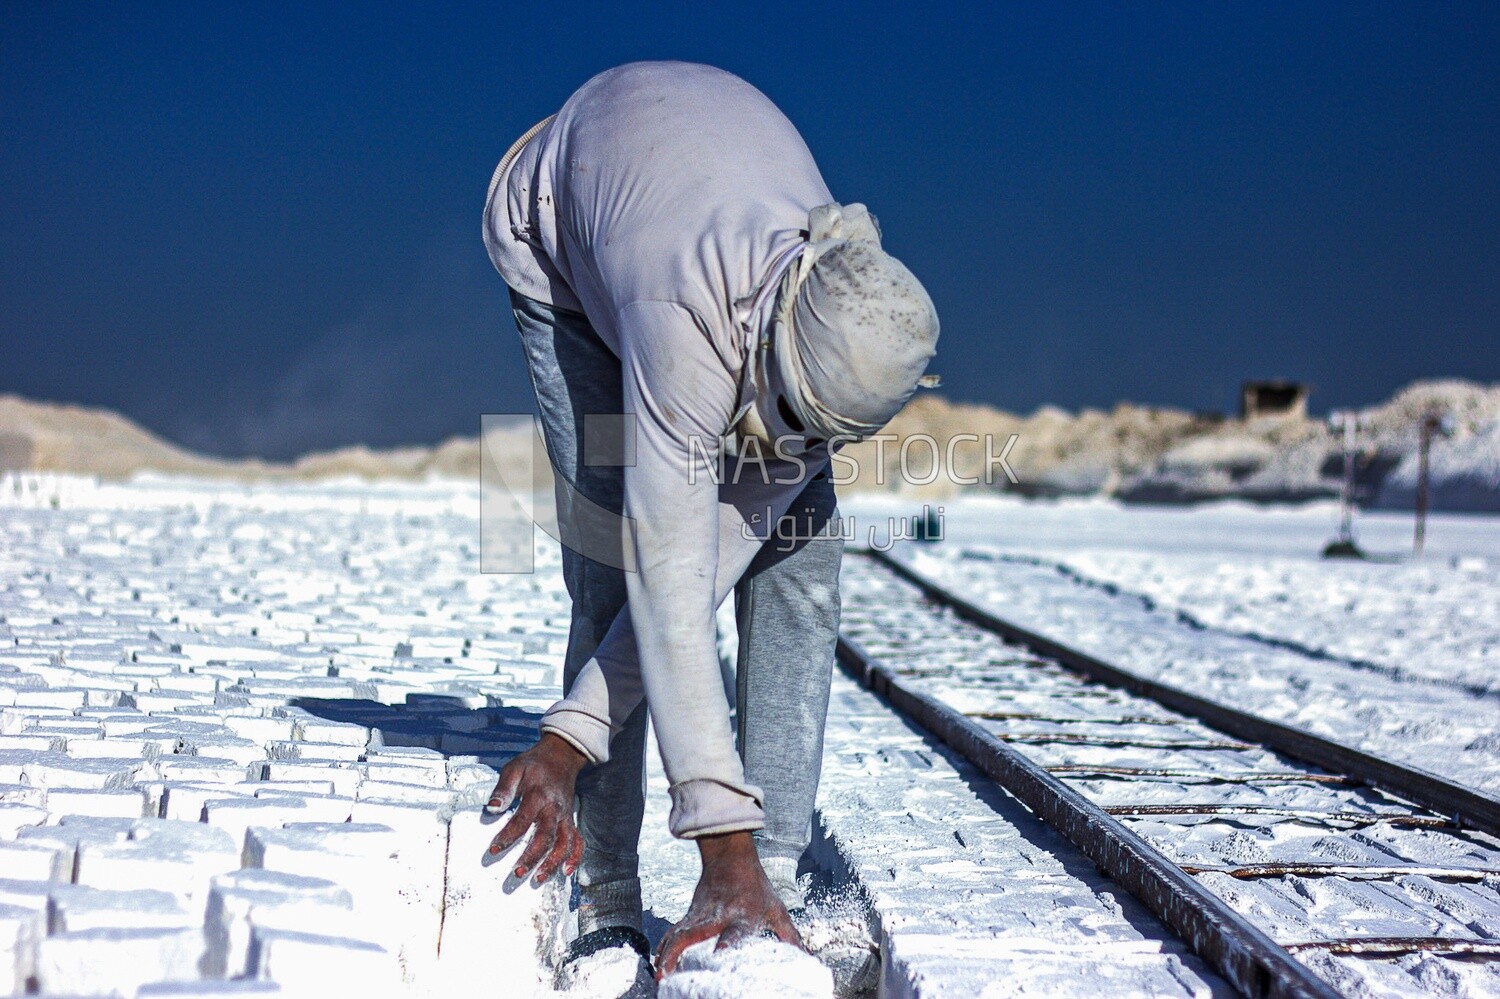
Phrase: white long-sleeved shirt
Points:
(656, 202)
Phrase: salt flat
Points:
(245, 731)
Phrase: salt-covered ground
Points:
(246, 731)
(1397, 656)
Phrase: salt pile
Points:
(753, 970)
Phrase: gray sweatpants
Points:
(787, 608)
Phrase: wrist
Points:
(560, 750)
(727, 849)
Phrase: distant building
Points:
(1277, 397)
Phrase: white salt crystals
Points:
(203, 791)
(751, 970)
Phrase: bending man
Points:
(690, 298)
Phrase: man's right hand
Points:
(543, 778)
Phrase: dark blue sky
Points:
(255, 228)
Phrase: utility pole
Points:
(1347, 421)
(1432, 423)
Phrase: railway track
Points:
(1296, 866)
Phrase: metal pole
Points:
(1346, 497)
(1429, 426)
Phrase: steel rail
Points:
(1249, 959)
(1198, 776)
(1469, 808)
(1400, 946)
(1279, 812)
(1350, 872)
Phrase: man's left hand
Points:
(733, 901)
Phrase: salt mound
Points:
(616, 972)
(753, 970)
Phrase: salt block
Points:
(435, 796)
(185, 801)
(36, 741)
(358, 855)
(750, 971)
(261, 788)
(240, 900)
(316, 807)
(177, 860)
(177, 767)
(308, 728)
(21, 929)
(119, 723)
(32, 894)
(411, 755)
(13, 764)
(344, 776)
(80, 907)
(23, 794)
(299, 750)
(464, 776)
(14, 818)
(493, 919)
(192, 835)
(123, 803)
(51, 697)
(236, 815)
(152, 792)
(36, 861)
(403, 773)
(315, 964)
(207, 990)
(112, 961)
(261, 730)
(113, 748)
(54, 770)
(421, 856)
(70, 833)
(242, 751)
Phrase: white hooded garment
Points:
(657, 202)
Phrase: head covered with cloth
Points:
(850, 339)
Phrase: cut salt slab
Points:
(79, 907)
(116, 961)
(314, 964)
(54, 770)
(493, 919)
(21, 928)
(749, 971)
(236, 815)
(179, 857)
(317, 807)
(417, 918)
(70, 833)
(177, 767)
(123, 803)
(16, 817)
(241, 900)
(23, 794)
(36, 861)
(185, 801)
(207, 990)
(343, 775)
(361, 856)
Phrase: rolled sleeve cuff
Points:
(581, 730)
(705, 807)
